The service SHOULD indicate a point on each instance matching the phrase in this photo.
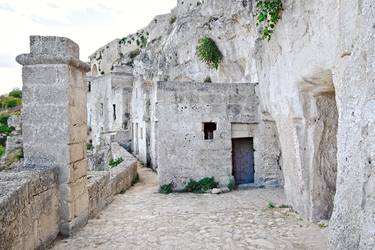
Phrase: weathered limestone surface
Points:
(55, 121)
(141, 115)
(104, 185)
(29, 208)
(316, 80)
(181, 110)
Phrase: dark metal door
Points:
(243, 160)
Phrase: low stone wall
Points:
(29, 200)
(104, 185)
(29, 208)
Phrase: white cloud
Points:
(90, 23)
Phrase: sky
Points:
(90, 23)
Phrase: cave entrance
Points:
(321, 144)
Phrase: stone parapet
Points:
(29, 208)
(104, 185)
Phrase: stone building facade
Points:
(202, 131)
(108, 107)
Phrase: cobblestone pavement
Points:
(144, 219)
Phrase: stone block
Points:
(53, 45)
(80, 169)
(77, 152)
(46, 74)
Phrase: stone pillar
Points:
(55, 121)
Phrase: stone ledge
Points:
(30, 59)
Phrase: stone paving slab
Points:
(144, 219)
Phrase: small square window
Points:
(209, 128)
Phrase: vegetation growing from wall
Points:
(115, 162)
(201, 186)
(209, 53)
(172, 20)
(141, 38)
(166, 189)
(2, 150)
(268, 13)
(207, 79)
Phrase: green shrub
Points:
(207, 79)
(271, 205)
(116, 162)
(4, 118)
(166, 189)
(268, 13)
(231, 184)
(2, 150)
(209, 53)
(143, 42)
(9, 102)
(133, 54)
(4, 129)
(172, 20)
(201, 186)
(89, 146)
(17, 93)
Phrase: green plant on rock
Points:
(2, 150)
(133, 54)
(231, 184)
(172, 20)
(4, 118)
(268, 13)
(116, 162)
(271, 205)
(209, 53)
(201, 186)
(207, 79)
(4, 129)
(166, 188)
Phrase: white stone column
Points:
(55, 121)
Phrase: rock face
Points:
(171, 54)
(315, 82)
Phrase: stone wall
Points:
(140, 106)
(29, 208)
(181, 110)
(104, 185)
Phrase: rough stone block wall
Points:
(104, 185)
(181, 110)
(29, 209)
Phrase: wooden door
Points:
(243, 160)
